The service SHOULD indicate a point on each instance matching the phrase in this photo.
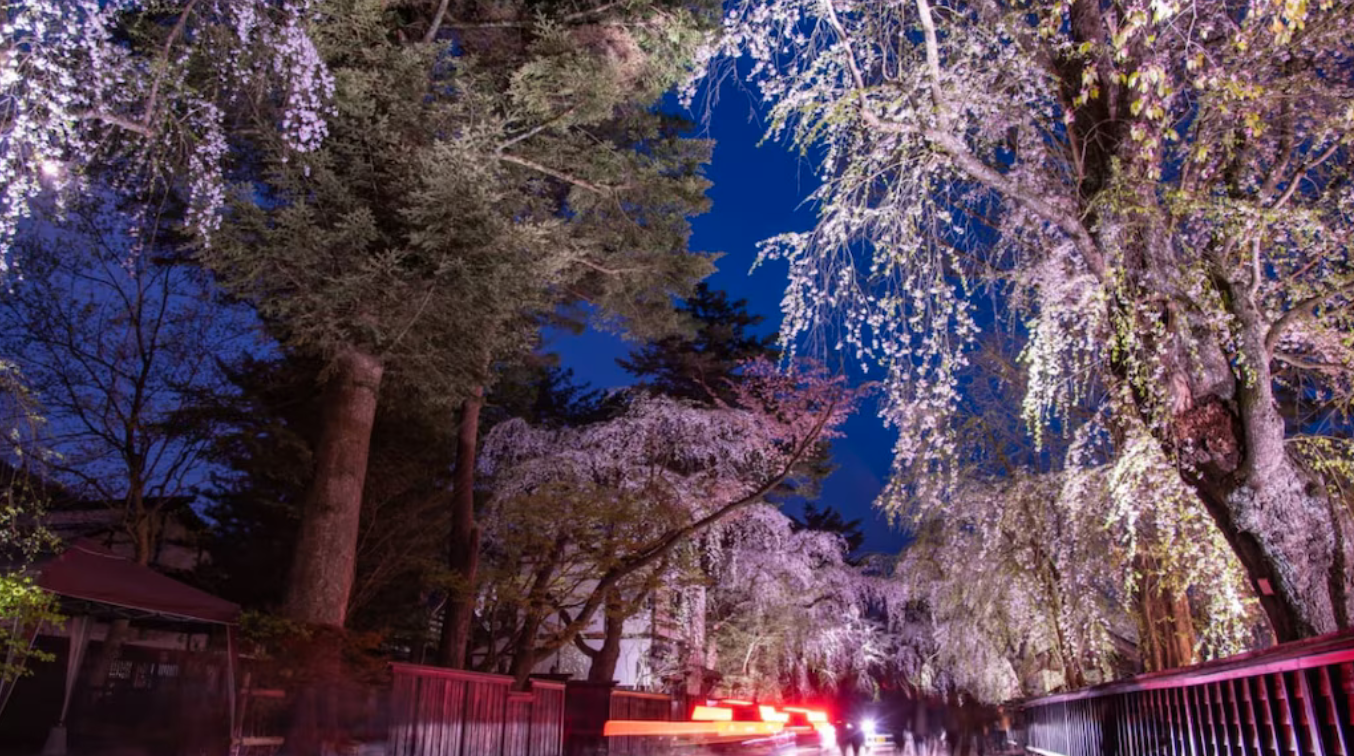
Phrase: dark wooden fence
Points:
(443, 712)
(589, 705)
(629, 704)
(1291, 700)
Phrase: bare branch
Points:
(551, 172)
(1298, 312)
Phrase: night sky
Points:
(757, 193)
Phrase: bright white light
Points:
(869, 727)
(51, 169)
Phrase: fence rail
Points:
(1291, 700)
(629, 704)
(443, 712)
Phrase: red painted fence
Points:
(1291, 700)
(444, 712)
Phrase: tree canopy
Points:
(1154, 196)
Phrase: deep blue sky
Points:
(757, 193)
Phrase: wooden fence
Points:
(1291, 700)
(629, 704)
(444, 712)
(589, 705)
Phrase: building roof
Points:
(87, 571)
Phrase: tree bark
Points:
(464, 547)
(525, 652)
(603, 667)
(322, 572)
(1293, 542)
(1223, 428)
(1166, 635)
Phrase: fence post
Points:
(1289, 700)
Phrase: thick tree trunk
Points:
(464, 546)
(1225, 430)
(603, 667)
(323, 568)
(1166, 635)
(321, 577)
(1294, 543)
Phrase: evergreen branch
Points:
(567, 18)
(538, 129)
(608, 271)
(551, 172)
(436, 24)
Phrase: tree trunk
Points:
(1294, 543)
(322, 572)
(1166, 635)
(119, 630)
(1223, 425)
(324, 566)
(524, 653)
(464, 546)
(603, 667)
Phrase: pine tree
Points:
(473, 181)
(274, 421)
(828, 520)
(703, 366)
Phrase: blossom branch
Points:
(1301, 311)
(436, 24)
(942, 138)
(112, 119)
(664, 545)
(1297, 177)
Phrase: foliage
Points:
(1055, 568)
(829, 520)
(23, 606)
(544, 551)
(270, 427)
(702, 367)
(450, 211)
(706, 367)
(135, 95)
(625, 493)
(25, 495)
(1157, 193)
(786, 613)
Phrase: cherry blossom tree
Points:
(671, 470)
(1057, 576)
(1157, 192)
(1072, 554)
(785, 613)
(135, 95)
